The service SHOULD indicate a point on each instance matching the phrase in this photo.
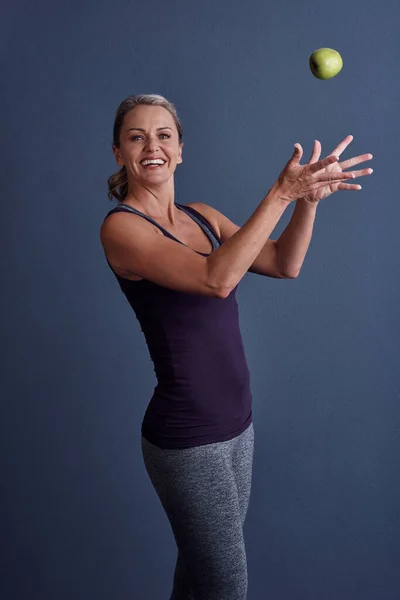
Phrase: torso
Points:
(186, 231)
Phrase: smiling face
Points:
(148, 132)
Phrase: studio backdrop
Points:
(80, 518)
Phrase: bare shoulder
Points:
(224, 227)
(210, 213)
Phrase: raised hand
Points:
(318, 178)
(334, 169)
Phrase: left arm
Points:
(293, 243)
(280, 258)
(295, 240)
(266, 262)
(284, 257)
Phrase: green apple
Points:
(325, 63)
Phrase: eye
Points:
(133, 138)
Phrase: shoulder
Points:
(119, 222)
(210, 213)
(224, 227)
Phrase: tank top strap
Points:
(126, 208)
(203, 223)
(194, 214)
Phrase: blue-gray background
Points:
(80, 519)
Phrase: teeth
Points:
(158, 161)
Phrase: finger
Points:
(326, 184)
(355, 161)
(321, 164)
(297, 154)
(349, 186)
(361, 172)
(316, 153)
(340, 148)
(334, 177)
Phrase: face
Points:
(157, 137)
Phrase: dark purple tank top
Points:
(203, 392)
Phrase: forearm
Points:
(293, 243)
(231, 261)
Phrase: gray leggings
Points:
(205, 492)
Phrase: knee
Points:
(222, 580)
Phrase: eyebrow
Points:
(140, 129)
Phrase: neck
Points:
(157, 202)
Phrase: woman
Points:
(179, 267)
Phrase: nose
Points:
(152, 143)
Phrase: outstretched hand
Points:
(314, 196)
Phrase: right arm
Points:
(135, 248)
(230, 262)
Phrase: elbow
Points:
(223, 293)
(219, 289)
(292, 275)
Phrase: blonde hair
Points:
(118, 183)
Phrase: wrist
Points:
(304, 202)
(275, 195)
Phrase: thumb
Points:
(297, 154)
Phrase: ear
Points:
(180, 160)
(118, 157)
